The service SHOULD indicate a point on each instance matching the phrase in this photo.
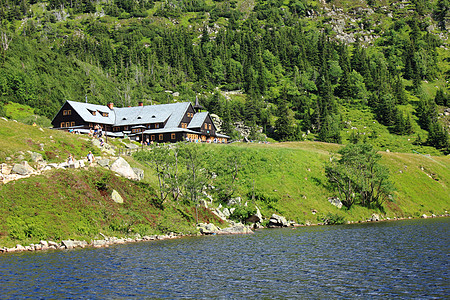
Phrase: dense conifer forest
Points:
(335, 70)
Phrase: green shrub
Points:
(241, 213)
(332, 219)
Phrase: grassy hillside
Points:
(283, 178)
(313, 65)
(289, 179)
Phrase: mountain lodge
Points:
(172, 122)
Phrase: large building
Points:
(158, 123)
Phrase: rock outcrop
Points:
(336, 202)
(235, 228)
(116, 197)
(277, 221)
(121, 167)
(22, 169)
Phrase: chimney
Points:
(111, 105)
(141, 103)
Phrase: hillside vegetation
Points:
(284, 178)
(297, 69)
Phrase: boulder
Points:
(5, 169)
(104, 162)
(234, 201)
(424, 216)
(226, 212)
(336, 202)
(139, 173)
(20, 247)
(278, 221)
(68, 244)
(375, 218)
(52, 244)
(237, 228)
(121, 167)
(256, 218)
(99, 243)
(207, 228)
(81, 244)
(43, 243)
(36, 157)
(22, 169)
(116, 197)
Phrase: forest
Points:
(293, 70)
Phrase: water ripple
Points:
(405, 259)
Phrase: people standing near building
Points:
(90, 157)
(70, 161)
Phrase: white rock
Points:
(121, 167)
(116, 197)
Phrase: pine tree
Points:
(398, 90)
(284, 128)
(440, 98)
(441, 13)
(438, 137)
(344, 82)
(330, 131)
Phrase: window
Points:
(67, 112)
(105, 114)
(125, 127)
(93, 112)
(156, 125)
(183, 125)
(67, 124)
(172, 136)
(72, 123)
(152, 137)
(116, 128)
(160, 137)
(206, 126)
(209, 125)
(62, 124)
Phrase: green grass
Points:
(289, 179)
(57, 145)
(77, 204)
(285, 178)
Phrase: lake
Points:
(401, 259)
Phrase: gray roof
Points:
(222, 135)
(171, 114)
(85, 109)
(198, 120)
(169, 130)
(141, 115)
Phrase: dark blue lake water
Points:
(403, 259)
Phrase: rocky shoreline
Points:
(236, 228)
(204, 229)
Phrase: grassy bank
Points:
(289, 179)
(77, 204)
(284, 178)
